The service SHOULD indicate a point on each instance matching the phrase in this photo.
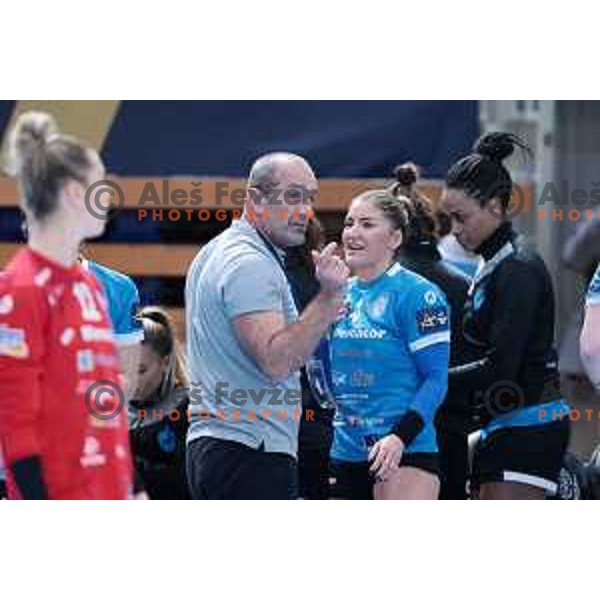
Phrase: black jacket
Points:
(509, 328)
(300, 273)
(157, 439)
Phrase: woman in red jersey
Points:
(62, 428)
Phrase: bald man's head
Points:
(281, 189)
(266, 171)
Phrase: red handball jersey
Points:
(60, 381)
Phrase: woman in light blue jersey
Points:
(390, 356)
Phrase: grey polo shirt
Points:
(231, 398)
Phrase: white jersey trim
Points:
(430, 340)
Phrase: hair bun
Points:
(406, 174)
(156, 314)
(29, 135)
(497, 145)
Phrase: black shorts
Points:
(314, 444)
(354, 481)
(225, 470)
(452, 426)
(529, 455)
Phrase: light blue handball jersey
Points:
(593, 293)
(373, 349)
(123, 303)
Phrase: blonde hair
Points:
(159, 334)
(42, 159)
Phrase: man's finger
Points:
(391, 463)
(373, 451)
(329, 250)
(377, 462)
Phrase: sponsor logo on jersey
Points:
(362, 378)
(89, 333)
(92, 457)
(358, 421)
(43, 277)
(431, 297)
(432, 320)
(67, 336)
(55, 294)
(109, 361)
(378, 306)
(338, 378)
(370, 333)
(85, 361)
(13, 343)
(7, 304)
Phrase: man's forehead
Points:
(303, 180)
(310, 187)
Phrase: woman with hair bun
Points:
(509, 331)
(158, 420)
(62, 428)
(419, 253)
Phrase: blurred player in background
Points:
(509, 330)
(123, 306)
(316, 426)
(390, 358)
(419, 253)
(56, 340)
(158, 421)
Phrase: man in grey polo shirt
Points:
(246, 341)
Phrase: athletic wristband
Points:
(409, 427)
(29, 478)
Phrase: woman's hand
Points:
(385, 455)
